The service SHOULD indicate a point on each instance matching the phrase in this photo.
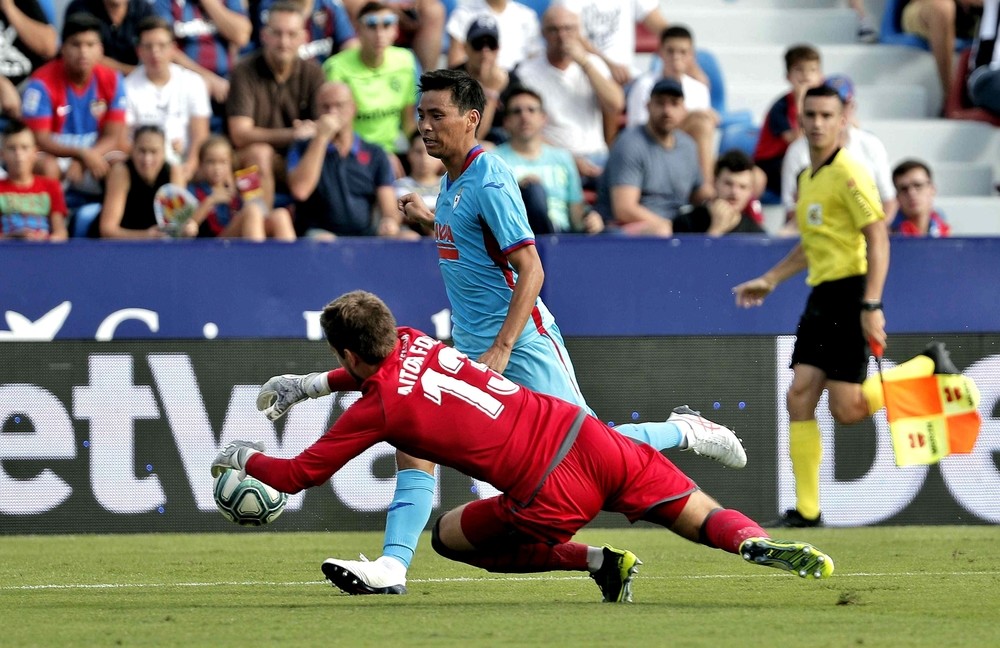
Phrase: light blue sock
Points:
(662, 435)
(408, 514)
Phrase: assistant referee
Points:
(845, 246)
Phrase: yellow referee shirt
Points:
(835, 203)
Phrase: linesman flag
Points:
(932, 409)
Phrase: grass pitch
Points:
(894, 586)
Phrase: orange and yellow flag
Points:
(931, 416)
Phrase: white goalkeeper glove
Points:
(235, 455)
(279, 393)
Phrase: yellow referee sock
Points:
(806, 449)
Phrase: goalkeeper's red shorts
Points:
(603, 470)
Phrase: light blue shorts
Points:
(544, 365)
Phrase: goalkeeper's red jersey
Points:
(432, 402)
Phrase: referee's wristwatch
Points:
(871, 305)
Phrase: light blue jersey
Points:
(479, 219)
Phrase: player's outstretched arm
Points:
(279, 393)
(752, 293)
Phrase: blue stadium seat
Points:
(710, 65)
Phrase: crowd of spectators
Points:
(296, 118)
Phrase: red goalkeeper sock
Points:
(528, 558)
(727, 529)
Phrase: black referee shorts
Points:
(829, 335)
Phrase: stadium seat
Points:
(891, 30)
(717, 86)
(957, 104)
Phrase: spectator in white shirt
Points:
(163, 94)
(609, 28)
(582, 100)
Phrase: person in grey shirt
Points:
(653, 169)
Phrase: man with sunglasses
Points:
(383, 79)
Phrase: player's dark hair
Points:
(675, 31)
(13, 127)
(799, 54)
(79, 23)
(734, 161)
(908, 165)
(370, 7)
(361, 322)
(152, 23)
(824, 91)
(466, 93)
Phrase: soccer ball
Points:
(247, 502)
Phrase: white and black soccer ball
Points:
(247, 501)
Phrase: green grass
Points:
(894, 586)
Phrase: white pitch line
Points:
(461, 579)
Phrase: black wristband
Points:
(871, 306)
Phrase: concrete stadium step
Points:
(735, 24)
(971, 216)
(960, 178)
(866, 65)
(938, 140)
(874, 101)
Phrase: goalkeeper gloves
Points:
(279, 393)
(235, 455)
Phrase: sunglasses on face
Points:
(371, 22)
(485, 43)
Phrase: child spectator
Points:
(222, 212)
(915, 192)
(31, 207)
(734, 210)
(119, 28)
(128, 211)
(164, 94)
(425, 173)
(781, 126)
(76, 107)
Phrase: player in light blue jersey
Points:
(493, 277)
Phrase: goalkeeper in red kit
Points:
(556, 466)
